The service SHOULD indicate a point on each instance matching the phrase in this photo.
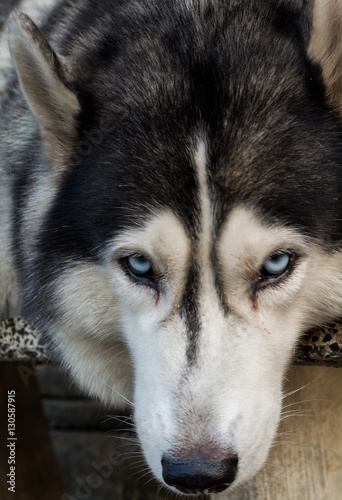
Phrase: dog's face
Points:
(210, 326)
(176, 263)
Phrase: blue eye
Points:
(276, 265)
(140, 270)
(139, 266)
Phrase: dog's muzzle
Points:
(199, 475)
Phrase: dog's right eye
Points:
(140, 269)
(139, 266)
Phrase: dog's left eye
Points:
(276, 265)
(139, 266)
(140, 270)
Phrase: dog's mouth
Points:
(217, 489)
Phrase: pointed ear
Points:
(43, 80)
(326, 46)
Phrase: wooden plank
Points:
(98, 466)
(79, 415)
(37, 475)
(54, 382)
(306, 464)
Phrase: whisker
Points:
(299, 414)
(120, 418)
(129, 439)
(145, 472)
(302, 401)
(120, 430)
(284, 396)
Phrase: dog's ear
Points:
(42, 76)
(325, 46)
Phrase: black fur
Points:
(150, 76)
(119, 102)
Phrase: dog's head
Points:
(182, 226)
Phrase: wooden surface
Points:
(306, 460)
(37, 471)
(304, 464)
(307, 465)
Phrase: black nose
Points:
(199, 475)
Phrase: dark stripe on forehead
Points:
(190, 313)
(214, 261)
(191, 300)
(218, 282)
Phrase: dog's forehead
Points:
(197, 121)
(209, 227)
(271, 160)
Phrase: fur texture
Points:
(199, 142)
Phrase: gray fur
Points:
(202, 137)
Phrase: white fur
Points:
(96, 304)
(124, 342)
(232, 396)
(205, 240)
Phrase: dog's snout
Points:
(199, 474)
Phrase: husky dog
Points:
(171, 216)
